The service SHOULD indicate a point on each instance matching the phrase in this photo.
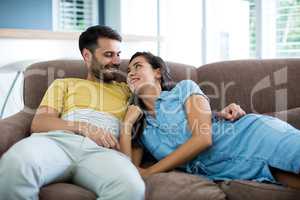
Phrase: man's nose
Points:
(116, 60)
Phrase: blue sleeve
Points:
(187, 88)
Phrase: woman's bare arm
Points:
(137, 155)
(125, 138)
(131, 116)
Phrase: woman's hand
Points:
(231, 112)
(133, 114)
(144, 172)
(98, 135)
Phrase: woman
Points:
(181, 132)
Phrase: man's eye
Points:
(108, 55)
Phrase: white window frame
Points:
(158, 39)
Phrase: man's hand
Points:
(99, 135)
(231, 112)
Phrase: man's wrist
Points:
(80, 128)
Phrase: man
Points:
(75, 131)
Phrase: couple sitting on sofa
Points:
(179, 131)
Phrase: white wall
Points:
(13, 50)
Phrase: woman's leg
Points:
(285, 160)
(287, 178)
(249, 147)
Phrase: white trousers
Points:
(57, 156)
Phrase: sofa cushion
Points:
(178, 186)
(249, 190)
(65, 191)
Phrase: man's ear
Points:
(87, 55)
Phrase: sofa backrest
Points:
(39, 76)
(261, 86)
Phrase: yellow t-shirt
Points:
(69, 94)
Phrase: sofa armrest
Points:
(13, 129)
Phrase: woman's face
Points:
(141, 75)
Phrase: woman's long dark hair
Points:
(166, 83)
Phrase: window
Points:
(278, 22)
(228, 30)
(252, 28)
(239, 29)
(74, 15)
(168, 28)
(198, 32)
(288, 28)
(139, 24)
(181, 31)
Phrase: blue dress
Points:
(244, 149)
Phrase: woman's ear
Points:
(157, 73)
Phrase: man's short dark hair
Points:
(88, 38)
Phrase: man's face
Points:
(105, 60)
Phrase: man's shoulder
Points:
(73, 79)
(123, 86)
(70, 80)
(120, 84)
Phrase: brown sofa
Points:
(263, 86)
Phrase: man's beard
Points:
(105, 73)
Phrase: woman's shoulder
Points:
(186, 88)
(185, 84)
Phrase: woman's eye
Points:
(137, 66)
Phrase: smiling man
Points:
(75, 132)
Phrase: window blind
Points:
(252, 27)
(76, 15)
(288, 28)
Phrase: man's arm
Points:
(47, 119)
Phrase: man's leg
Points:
(30, 164)
(110, 175)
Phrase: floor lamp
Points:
(17, 67)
